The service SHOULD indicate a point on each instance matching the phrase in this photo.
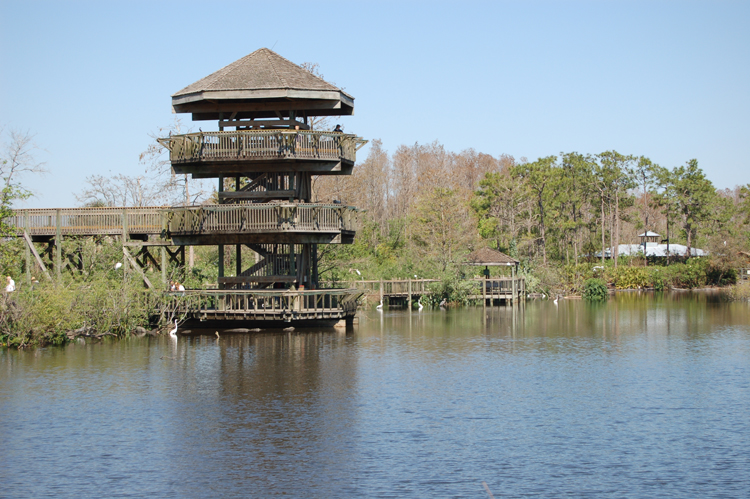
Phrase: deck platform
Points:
(267, 306)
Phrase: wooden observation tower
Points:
(264, 155)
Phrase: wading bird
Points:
(173, 332)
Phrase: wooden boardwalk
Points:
(506, 289)
(268, 306)
(198, 224)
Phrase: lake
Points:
(643, 396)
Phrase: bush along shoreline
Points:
(59, 311)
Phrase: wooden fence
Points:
(261, 145)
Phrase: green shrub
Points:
(595, 290)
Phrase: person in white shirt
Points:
(11, 286)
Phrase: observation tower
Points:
(265, 155)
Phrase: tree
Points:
(498, 203)
(614, 177)
(695, 197)
(16, 162)
(537, 177)
(440, 231)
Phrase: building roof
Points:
(489, 257)
(653, 249)
(648, 233)
(261, 77)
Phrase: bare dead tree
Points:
(16, 162)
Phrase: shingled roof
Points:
(263, 69)
(490, 257)
(262, 77)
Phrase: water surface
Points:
(645, 396)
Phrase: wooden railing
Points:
(240, 219)
(403, 287)
(743, 274)
(262, 145)
(268, 304)
(87, 221)
(216, 219)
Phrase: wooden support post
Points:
(58, 243)
(126, 254)
(221, 264)
(238, 257)
(484, 292)
(381, 291)
(164, 266)
(39, 260)
(409, 292)
(514, 292)
(28, 249)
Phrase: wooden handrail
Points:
(216, 219)
(262, 145)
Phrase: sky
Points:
(669, 80)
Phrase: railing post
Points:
(58, 243)
(381, 291)
(28, 250)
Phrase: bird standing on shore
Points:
(380, 306)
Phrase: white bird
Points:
(173, 332)
(419, 303)
(415, 276)
(118, 265)
(380, 306)
(555, 300)
(443, 303)
(358, 272)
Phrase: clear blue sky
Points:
(668, 80)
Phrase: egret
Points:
(118, 265)
(443, 303)
(217, 335)
(555, 300)
(380, 306)
(419, 303)
(357, 271)
(173, 332)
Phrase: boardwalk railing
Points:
(500, 287)
(268, 304)
(87, 221)
(238, 219)
(262, 145)
(214, 219)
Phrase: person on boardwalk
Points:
(11, 285)
(338, 129)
